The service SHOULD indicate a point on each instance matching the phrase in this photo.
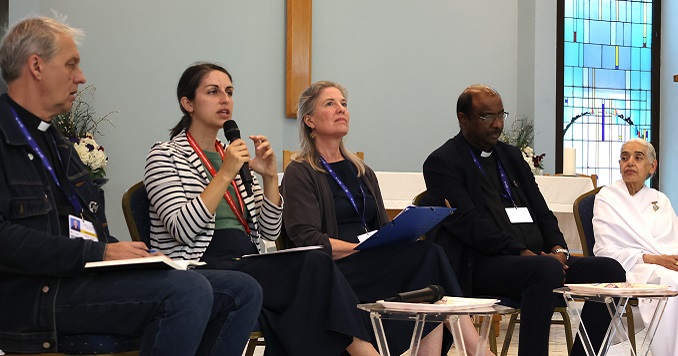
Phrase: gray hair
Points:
(649, 149)
(34, 35)
(308, 151)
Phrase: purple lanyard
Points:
(345, 189)
(502, 176)
(34, 145)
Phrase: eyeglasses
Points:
(491, 117)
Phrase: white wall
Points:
(404, 63)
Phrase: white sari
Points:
(626, 227)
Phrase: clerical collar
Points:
(29, 119)
(479, 152)
(43, 126)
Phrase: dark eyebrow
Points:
(217, 86)
(634, 152)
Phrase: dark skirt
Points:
(382, 272)
(308, 307)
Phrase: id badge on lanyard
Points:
(81, 228)
(519, 215)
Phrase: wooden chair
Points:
(583, 217)
(594, 177)
(514, 319)
(287, 157)
(135, 207)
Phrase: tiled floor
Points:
(557, 344)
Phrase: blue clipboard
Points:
(408, 226)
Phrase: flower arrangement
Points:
(80, 125)
(521, 135)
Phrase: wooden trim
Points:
(298, 62)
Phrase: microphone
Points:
(232, 133)
(430, 294)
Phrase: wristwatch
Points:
(563, 250)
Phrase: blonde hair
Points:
(34, 35)
(307, 151)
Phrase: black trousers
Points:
(531, 279)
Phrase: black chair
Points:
(583, 217)
(560, 308)
(135, 208)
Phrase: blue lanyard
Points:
(34, 145)
(502, 176)
(345, 189)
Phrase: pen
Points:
(152, 250)
(447, 203)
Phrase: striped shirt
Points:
(181, 225)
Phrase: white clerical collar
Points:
(44, 126)
(484, 154)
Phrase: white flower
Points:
(91, 154)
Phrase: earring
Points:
(311, 135)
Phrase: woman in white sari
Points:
(637, 226)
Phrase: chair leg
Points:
(630, 326)
(509, 334)
(493, 340)
(568, 329)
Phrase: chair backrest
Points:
(417, 199)
(135, 206)
(287, 157)
(583, 216)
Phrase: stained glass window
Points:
(607, 80)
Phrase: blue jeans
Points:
(197, 312)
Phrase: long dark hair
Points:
(188, 84)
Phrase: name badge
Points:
(519, 215)
(81, 228)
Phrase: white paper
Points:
(365, 236)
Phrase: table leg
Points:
(379, 333)
(455, 328)
(616, 310)
(575, 315)
(416, 334)
(483, 335)
(454, 322)
(617, 327)
(652, 328)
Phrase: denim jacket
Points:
(34, 253)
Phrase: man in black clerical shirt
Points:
(503, 240)
(46, 295)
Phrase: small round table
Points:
(423, 313)
(616, 300)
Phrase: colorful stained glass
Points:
(607, 80)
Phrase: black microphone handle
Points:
(246, 177)
(232, 133)
(430, 294)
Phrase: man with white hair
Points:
(45, 293)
